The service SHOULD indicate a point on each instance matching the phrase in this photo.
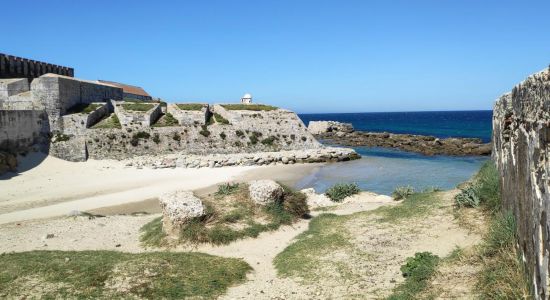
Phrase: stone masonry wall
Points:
(521, 137)
(77, 123)
(20, 129)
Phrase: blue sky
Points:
(309, 56)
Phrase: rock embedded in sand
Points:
(178, 208)
(264, 192)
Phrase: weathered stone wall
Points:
(17, 67)
(20, 129)
(60, 93)
(188, 117)
(521, 136)
(76, 124)
(140, 118)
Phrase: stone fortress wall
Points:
(18, 67)
(521, 137)
(44, 110)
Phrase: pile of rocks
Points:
(324, 154)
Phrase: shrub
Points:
(402, 192)
(238, 144)
(176, 137)
(419, 264)
(223, 136)
(253, 139)
(269, 141)
(304, 139)
(468, 197)
(488, 187)
(295, 202)
(340, 191)
(156, 138)
(417, 270)
(204, 131)
(227, 189)
(142, 135)
(220, 119)
(239, 133)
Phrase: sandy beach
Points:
(48, 187)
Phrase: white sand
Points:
(53, 187)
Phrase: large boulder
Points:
(264, 192)
(178, 208)
(322, 127)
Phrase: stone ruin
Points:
(521, 137)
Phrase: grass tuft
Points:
(190, 106)
(402, 192)
(138, 106)
(340, 191)
(417, 270)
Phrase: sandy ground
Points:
(49, 187)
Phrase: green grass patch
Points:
(110, 122)
(417, 270)
(416, 205)
(254, 107)
(340, 191)
(402, 192)
(269, 140)
(84, 108)
(221, 120)
(483, 190)
(116, 275)
(166, 120)
(190, 106)
(227, 188)
(143, 107)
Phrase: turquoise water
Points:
(381, 170)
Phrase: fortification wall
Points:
(21, 129)
(521, 137)
(188, 117)
(137, 118)
(18, 67)
(77, 123)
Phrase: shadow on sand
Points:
(25, 163)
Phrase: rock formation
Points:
(179, 208)
(264, 192)
(521, 136)
(343, 134)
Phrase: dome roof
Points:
(247, 95)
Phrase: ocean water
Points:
(381, 170)
(442, 124)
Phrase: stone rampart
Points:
(18, 67)
(137, 118)
(77, 123)
(521, 137)
(20, 129)
(188, 117)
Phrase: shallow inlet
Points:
(381, 170)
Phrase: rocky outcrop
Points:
(322, 127)
(427, 145)
(179, 208)
(264, 192)
(521, 137)
(181, 160)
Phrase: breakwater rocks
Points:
(427, 145)
(521, 135)
(180, 160)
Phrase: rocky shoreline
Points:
(318, 155)
(340, 134)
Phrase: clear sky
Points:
(309, 56)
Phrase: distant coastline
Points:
(442, 124)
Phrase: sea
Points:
(381, 170)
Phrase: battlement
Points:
(18, 67)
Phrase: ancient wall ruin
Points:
(21, 129)
(521, 136)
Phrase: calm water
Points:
(382, 170)
(441, 124)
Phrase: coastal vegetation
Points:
(190, 106)
(84, 108)
(113, 274)
(137, 106)
(417, 272)
(402, 192)
(221, 120)
(232, 215)
(253, 107)
(166, 120)
(340, 191)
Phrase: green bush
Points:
(227, 189)
(156, 138)
(239, 133)
(176, 137)
(220, 119)
(269, 141)
(417, 270)
(419, 265)
(402, 192)
(468, 197)
(339, 191)
(295, 202)
(223, 136)
(204, 131)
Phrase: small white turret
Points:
(247, 98)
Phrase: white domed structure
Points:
(247, 98)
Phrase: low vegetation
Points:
(221, 120)
(340, 191)
(483, 190)
(110, 122)
(417, 270)
(60, 137)
(166, 120)
(232, 216)
(117, 275)
(190, 106)
(269, 140)
(84, 108)
(204, 131)
(254, 107)
(138, 106)
(402, 192)
(140, 135)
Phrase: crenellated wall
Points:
(18, 67)
(521, 137)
